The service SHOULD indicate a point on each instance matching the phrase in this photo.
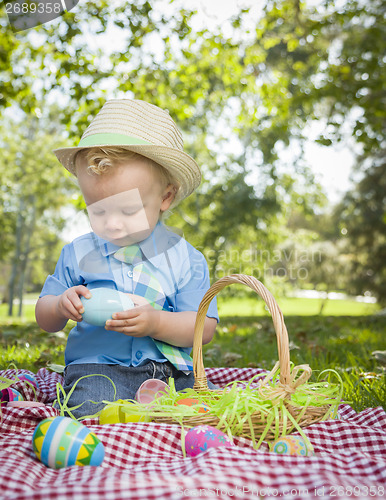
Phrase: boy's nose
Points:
(113, 223)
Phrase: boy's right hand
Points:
(69, 305)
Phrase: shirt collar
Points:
(153, 247)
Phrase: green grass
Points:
(24, 344)
(253, 306)
(245, 337)
(28, 312)
(341, 343)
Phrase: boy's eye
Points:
(98, 212)
(130, 211)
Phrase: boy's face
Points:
(125, 202)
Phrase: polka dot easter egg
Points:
(62, 442)
(203, 437)
(292, 445)
(104, 302)
(334, 415)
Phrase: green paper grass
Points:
(65, 410)
(259, 410)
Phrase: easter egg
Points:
(61, 442)
(203, 437)
(191, 402)
(10, 394)
(334, 415)
(28, 377)
(24, 404)
(113, 414)
(104, 302)
(291, 445)
(150, 389)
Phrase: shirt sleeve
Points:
(194, 284)
(64, 276)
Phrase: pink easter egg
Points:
(150, 389)
(203, 437)
(24, 404)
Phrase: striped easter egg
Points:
(30, 378)
(10, 394)
(62, 442)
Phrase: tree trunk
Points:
(25, 255)
(16, 259)
(213, 269)
(323, 303)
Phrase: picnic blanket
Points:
(145, 460)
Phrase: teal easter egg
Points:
(104, 302)
(291, 445)
(62, 442)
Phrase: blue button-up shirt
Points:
(180, 269)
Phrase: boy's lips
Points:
(117, 239)
(123, 239)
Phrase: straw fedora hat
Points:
(144, 129)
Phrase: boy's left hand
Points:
(140, 321)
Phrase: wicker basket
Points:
(289, 382)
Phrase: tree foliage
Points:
(32, 193)
(362, 216)
(242, 93)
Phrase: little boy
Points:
(131, 168)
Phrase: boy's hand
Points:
(139, 321)
(69, 305)
(138, 300)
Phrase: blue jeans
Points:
(127, 380)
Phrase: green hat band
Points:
(111, 140)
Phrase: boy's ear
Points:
(168, 197)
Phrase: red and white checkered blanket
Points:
(145, 461)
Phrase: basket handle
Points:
(201, 383)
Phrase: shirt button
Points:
(130, 273)
(138, 354)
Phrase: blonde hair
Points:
(100, 160)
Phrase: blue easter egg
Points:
(30, 378)
(62, 442)
(104, 302)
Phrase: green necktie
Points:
(146, 285)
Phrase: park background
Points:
(282, 104)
